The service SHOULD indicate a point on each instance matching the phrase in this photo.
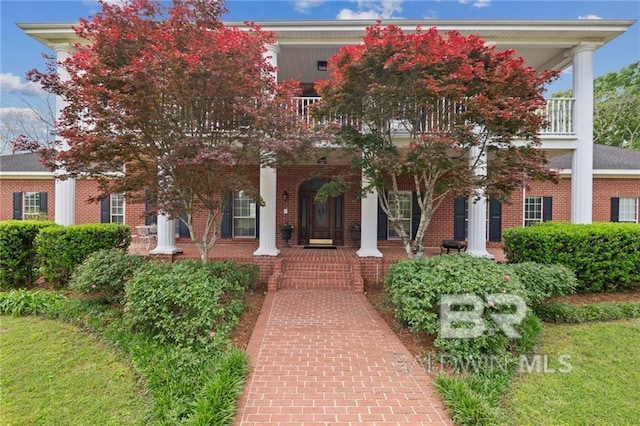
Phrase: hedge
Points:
(603, 256)
(605, 311)
(60, 249)
(18, 253)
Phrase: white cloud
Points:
(589, 17)
(477, 3)
(303, 6)
(370, 9)
(481, 3)
(10, 83)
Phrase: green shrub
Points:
(182, 302)
(61, 249)
(602, 255)
(415, 288)
(244, 275)
(104, 273)
(23, 302)
(543, 282)
(606, 311)
(17, 252)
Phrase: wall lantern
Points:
(285, 195)
(322, 65)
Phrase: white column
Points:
(369, 223)
(268, 180)
(582, 160)
(477, 238)
(271, 56)
(65, 190)
(166, 236)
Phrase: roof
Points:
(604, 158)
(21, 163)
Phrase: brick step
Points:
(317, 279)
(317, 267)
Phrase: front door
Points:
(319, 221)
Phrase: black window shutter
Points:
(459, 218)
(149, 220)
(227, 226)
(105, 205)
(43, 202)
(615, 209)
(17, 205)
(415, 215)
(383, 222)
(547, 209)
(183, 230)
(495, 220)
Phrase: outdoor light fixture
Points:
(285, 195)
(322, 65)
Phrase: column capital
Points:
(63, 47)
(273, 48)
(584, 47)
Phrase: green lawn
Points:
(55, 374)
(602, 388)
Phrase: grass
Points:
(601, 387)
(54, 373)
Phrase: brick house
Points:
(300, 52)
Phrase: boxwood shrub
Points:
(184, 302)
(604, 256)
(60, 249)
(416, 286)
(18, 253)
(543, 282)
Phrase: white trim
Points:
(26, 175)
(606, 173)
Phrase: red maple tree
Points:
(422, 101)
(168, 103)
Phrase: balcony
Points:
(558, 114)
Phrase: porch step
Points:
(300, 274)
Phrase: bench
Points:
(449, 245)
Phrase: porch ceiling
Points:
(542, 43)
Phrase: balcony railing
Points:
(558, 113)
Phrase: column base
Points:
(266, 252)
(369, 253)
(481, 253)
(166, 250)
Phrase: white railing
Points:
(558, 113)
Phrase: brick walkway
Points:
(327, 357)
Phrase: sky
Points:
(19, 53)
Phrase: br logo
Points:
(474, 325)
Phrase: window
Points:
(30, 205)
(404, 201)
(116, 208)
(244, 215)
(532, 210)
(628, 210)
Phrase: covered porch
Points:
(299, 267)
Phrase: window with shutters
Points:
(532, 210)
(404, 211)
(244, 215)
(628, 210)
(31, 205)
(116, 208)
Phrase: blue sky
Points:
(19, 53)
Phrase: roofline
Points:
(62, 32)
(26, 175)
(606, 173)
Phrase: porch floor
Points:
(297, 253)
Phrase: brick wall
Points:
(9, 186)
